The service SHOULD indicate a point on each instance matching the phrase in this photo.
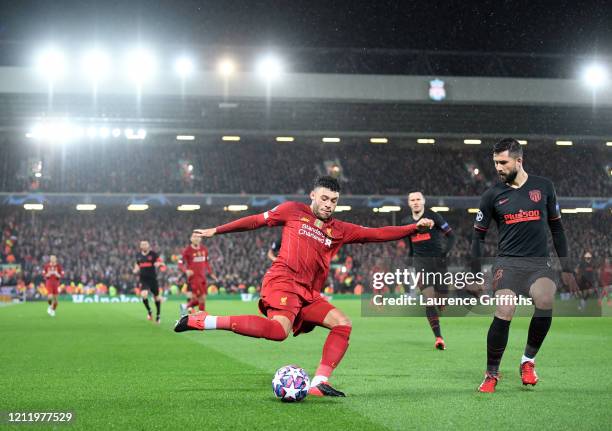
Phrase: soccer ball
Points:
(291, 383)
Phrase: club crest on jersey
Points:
(535, 195)
(329, 232)
(283, 300)
(318, 223)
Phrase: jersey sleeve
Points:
(278, 215)
(356, 233)
(441, 223)
(184, 262)
(552, 206)
(485, 212)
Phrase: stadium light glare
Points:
(569, 211)
(138, 207)
(473, 210)
(285, 139)
(33, 207)
(564, 143)
(609, 144)
(51, 64)
(185, 137)
(231, 138)
(595, 75)
(342, 208)
(330, 140)
(92, 132)
(440, 209)
(38, 175)
(140, 134)
(188, 207)
(584, 210)
(389, 208)
(184, 67)
(116, 132)
(86, 207)
(269, 68)
(226, 67)
(426, 141)
(522, 142)
(95, 64)
(140, 65)
(472, 141)
(236, 208)
(104, 132)
(379, 140)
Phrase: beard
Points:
(509, 177)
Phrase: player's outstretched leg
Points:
(431, 312)
(158, 310)
(335, 346)
(274, 328)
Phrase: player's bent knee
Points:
(505, 312)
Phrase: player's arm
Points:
(184, 264)
(209, 268)
(275, 217)
(447, 231)
(481, 226)
(159, 262)
(559, 239)
(362, 234)
(136, 268)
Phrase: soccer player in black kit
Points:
(429, 255)
(147, 262)
(523, 207)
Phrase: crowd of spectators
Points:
(100, 247)
(287, 168)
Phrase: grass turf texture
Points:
(115, 370)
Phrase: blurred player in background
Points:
(524, 207)
(147, 262)
(52, 272)
(586, 276)
(274, 249)
(429, 255)
(195, 263)
(291, 293)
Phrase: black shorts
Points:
(518, 274)
(436, 268)
(151, 286)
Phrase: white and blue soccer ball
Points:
(291, 383)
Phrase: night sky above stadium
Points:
(572, 27)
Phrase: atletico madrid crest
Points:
(535, 195)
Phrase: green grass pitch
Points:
(115, 370)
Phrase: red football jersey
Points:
(49, 272)
(197, 260)
(308, 243)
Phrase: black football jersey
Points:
(146, 263)
(428, 244)
(521, 215)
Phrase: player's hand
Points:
(569, 279)
(189, 273)
(424, 224)
(205, 233)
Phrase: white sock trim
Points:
(210, 322)
(318, 379)
(526, 359)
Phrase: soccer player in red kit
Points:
(291, 289)
(195, 263)
(52, 272)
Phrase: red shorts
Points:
(198, 286)
(278, 296)
(52, 287)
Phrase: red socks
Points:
(333, 350)
(253, 326)
(54, 305)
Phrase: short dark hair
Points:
(327, 182)
(511, 145)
